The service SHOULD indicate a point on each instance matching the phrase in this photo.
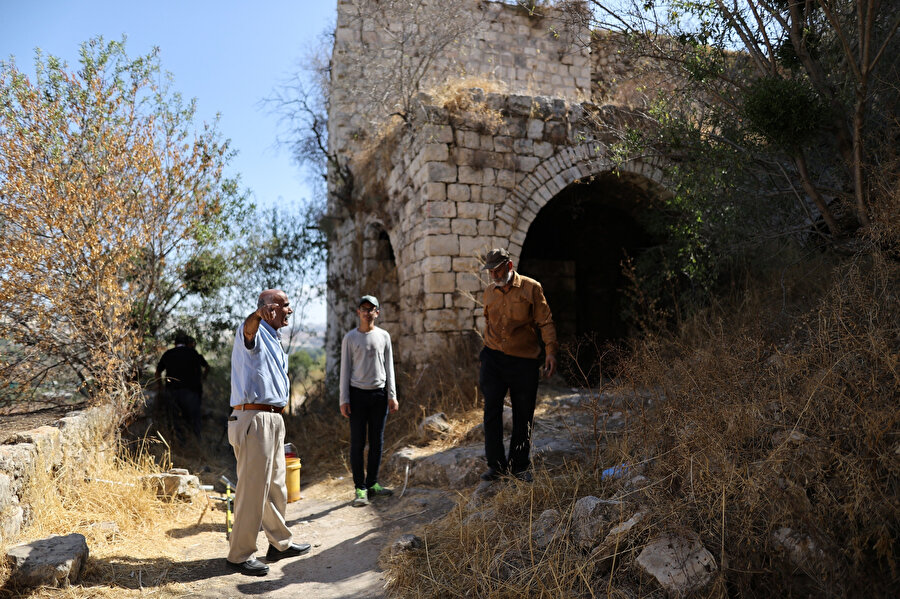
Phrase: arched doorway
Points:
(380, 277)
(575, 247)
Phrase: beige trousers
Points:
(261, 496)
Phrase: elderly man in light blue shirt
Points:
(259, 393)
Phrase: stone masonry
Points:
(445, 187)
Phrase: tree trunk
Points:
(813, 192)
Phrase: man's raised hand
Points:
(267, 312)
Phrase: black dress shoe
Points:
(491, 474)
(251, 567)
(293, 550)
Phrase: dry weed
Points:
(131, 553)
(777, 410)
(762, 431)
(448, 384)
(466, 96)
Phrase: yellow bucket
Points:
(292, 479)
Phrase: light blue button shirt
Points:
(259, 374)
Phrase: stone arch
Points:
(556, 173)
(572, 231)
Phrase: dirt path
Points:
(346, 542)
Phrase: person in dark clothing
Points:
(182, 384)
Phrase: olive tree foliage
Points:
(114, 211)
(811, 80)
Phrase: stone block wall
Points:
(526, 53)
(455, 191)
(448, 186)
(74, 442)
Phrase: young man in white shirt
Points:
(368, 394)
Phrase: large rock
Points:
(483, 493)
(11, 513)
(555, 450)
(17, 461)
(46, 441)
(679, 563)
(456, 467)
(87, 436)
(56, 561)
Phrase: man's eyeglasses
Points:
(368, 310)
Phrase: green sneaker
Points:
(377, 490)
(361, 499)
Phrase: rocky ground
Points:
(430, 477)
(347, 540)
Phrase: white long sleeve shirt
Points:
(367, 362)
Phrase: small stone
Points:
(546, 528)
(590, 517)
(433, 426)
(407, 542)
(173, 486)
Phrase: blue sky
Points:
(228, 54)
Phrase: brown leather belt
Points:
(259, 406)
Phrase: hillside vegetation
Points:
(776, 417)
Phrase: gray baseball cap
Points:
(495, 258)
(369, 298)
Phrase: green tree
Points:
(114, 211)
(815, 79)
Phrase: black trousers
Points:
(501, 373)
(189, 414)
(368, 414)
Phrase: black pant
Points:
(189, 413)
(368, 413)
(501, 373)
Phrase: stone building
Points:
(520, 162)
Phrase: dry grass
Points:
(777, 408)
(142, 554)
(448, 384)
(459, 97)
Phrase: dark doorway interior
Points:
(380, 276)
(575, 248)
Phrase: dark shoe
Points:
(491, 474)
(525, 476)
(361, 499)
(293, 550)
(377, 490)
(251, 567)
